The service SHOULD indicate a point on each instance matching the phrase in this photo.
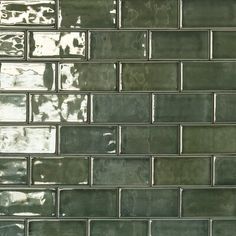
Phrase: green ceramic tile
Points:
(121, 108)
(27, 139)
(209, 13)
(13, 170)
(225, 108)
(179, 45)
(59, 44)
(59, 107)
(209, 75)
(209, 139)
(150, 14)
(87, 14)
(149, 76)
(10, 228)
(121, 171)
(118, 228)
(149, 139)
(12, 44)
(62, 228)
(118, 45)
(182, 171)
(149, 203)
(224, 44)
(88, 203)
(225, 171)
(27, 203)
(224, 228)
(10, 105)
(209, 202)
(180, 228)
(88, 139)
(68, 170)
(27, 13)
(183, 107)
(88, 76)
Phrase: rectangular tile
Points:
(208, 13)
(179, 45)
(183, 107)
(149, 203)
(115, 108)
(224, 44)
(27, 203)
(88, 139)
(182, 171)
(10, 105)
(121, 171)
(27, 139)
(13, 170)
(180, 227)
(224, 227)
(60, 170)
(209, 139)
(149, 76)
(149, 139)
(88, 76)
(9, 228)
(59, 107)
(12, 44)
(209, 202)
(150, 14)
(209, 75)
(59, 44)
(27, 13)
(87, 14)
(88, 203)
(49, 228)
(118, 45)
(119, 227)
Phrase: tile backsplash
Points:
(117, 117)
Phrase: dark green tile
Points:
(179, 45)
(225, 171)
(149, 203)
(118, 228)
(62, 228)
(150, 14)
(12, 228)
(88, 139)
(121, 108)
(209, 139)
(149, 76)
(209, 13)
(13, 170)
(224, 44)
(149, 139)
(224, 227)
(87, 14)
(182, 171)
(209, 202)
(209, 75)
(180, 228)
(88, 203)
(118, 45)
(88, 76)
(62, 170)
(183, 107)
(27, 203)
(225, 107)
(59, 44)
(121, 171)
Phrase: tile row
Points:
(119, 44)
(118, 13)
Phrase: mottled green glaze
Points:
(10, 228)
(224, 227)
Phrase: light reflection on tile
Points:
(9, 228)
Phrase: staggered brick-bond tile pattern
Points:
(117, 118)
